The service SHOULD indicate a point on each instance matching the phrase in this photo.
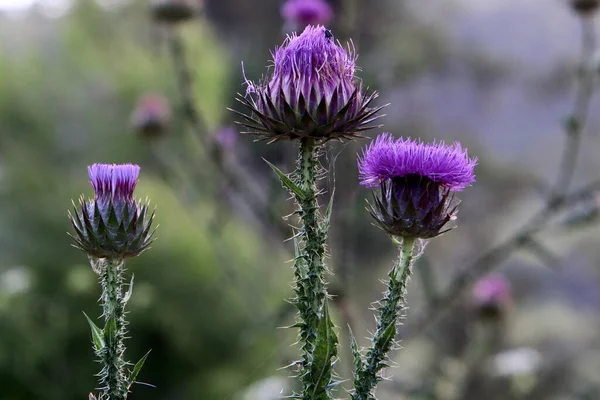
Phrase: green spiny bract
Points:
(112, 230)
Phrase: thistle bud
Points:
(300, 13)
(416, 184)
(585, 7)
(152, 116)
(174, 11)
(312, 91)
(491, 297)
(113, 224)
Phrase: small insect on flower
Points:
(113, 224)
(416, 183)
(312, 92)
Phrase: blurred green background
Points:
(209, 295)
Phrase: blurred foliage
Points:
(207, 314)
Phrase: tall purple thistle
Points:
(311, 92)
(112, 224)
(307, 12)
(416, 181)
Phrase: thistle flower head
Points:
(112, 224)
(491, 296)
(307, 12)
(416, 182)
(151, 116)
(312, 91)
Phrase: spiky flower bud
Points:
(416, 182)
(585, 7)
(312, 92)
(301, 13)
(491, 297)
(174, 11)
(113, 224)
(152, 116)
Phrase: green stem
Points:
(319, 342)
(112, 376)
(368, 375)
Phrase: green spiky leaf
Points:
(97, 335)
(110, 329)
(287, 182)
(359, 364)
(328, 212)
(129, 291)
(325, 349)
(136, 369)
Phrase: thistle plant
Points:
(413, 201)
(111, 227)
(311, 95)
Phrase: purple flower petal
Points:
(114, 181)
(386, 158)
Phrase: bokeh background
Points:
(497, 75)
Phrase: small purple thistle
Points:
(388, 158)
(114, 181)
(307, 12)
(311, 92)
(113, 224)
(491, 296)
(416, 181)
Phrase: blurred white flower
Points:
(521, 361)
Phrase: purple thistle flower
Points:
(307, 12)
(112, 224)
(312, 91)
(416, 182)
(491, 296)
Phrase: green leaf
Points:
(129, 292)
(325, 350)
(110, 329)
(97, 334)
(327, 220)
(359, 364)
(136, 369)
(287, 182)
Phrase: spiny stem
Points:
(390, 310)
(112, 376)
(319, 342)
